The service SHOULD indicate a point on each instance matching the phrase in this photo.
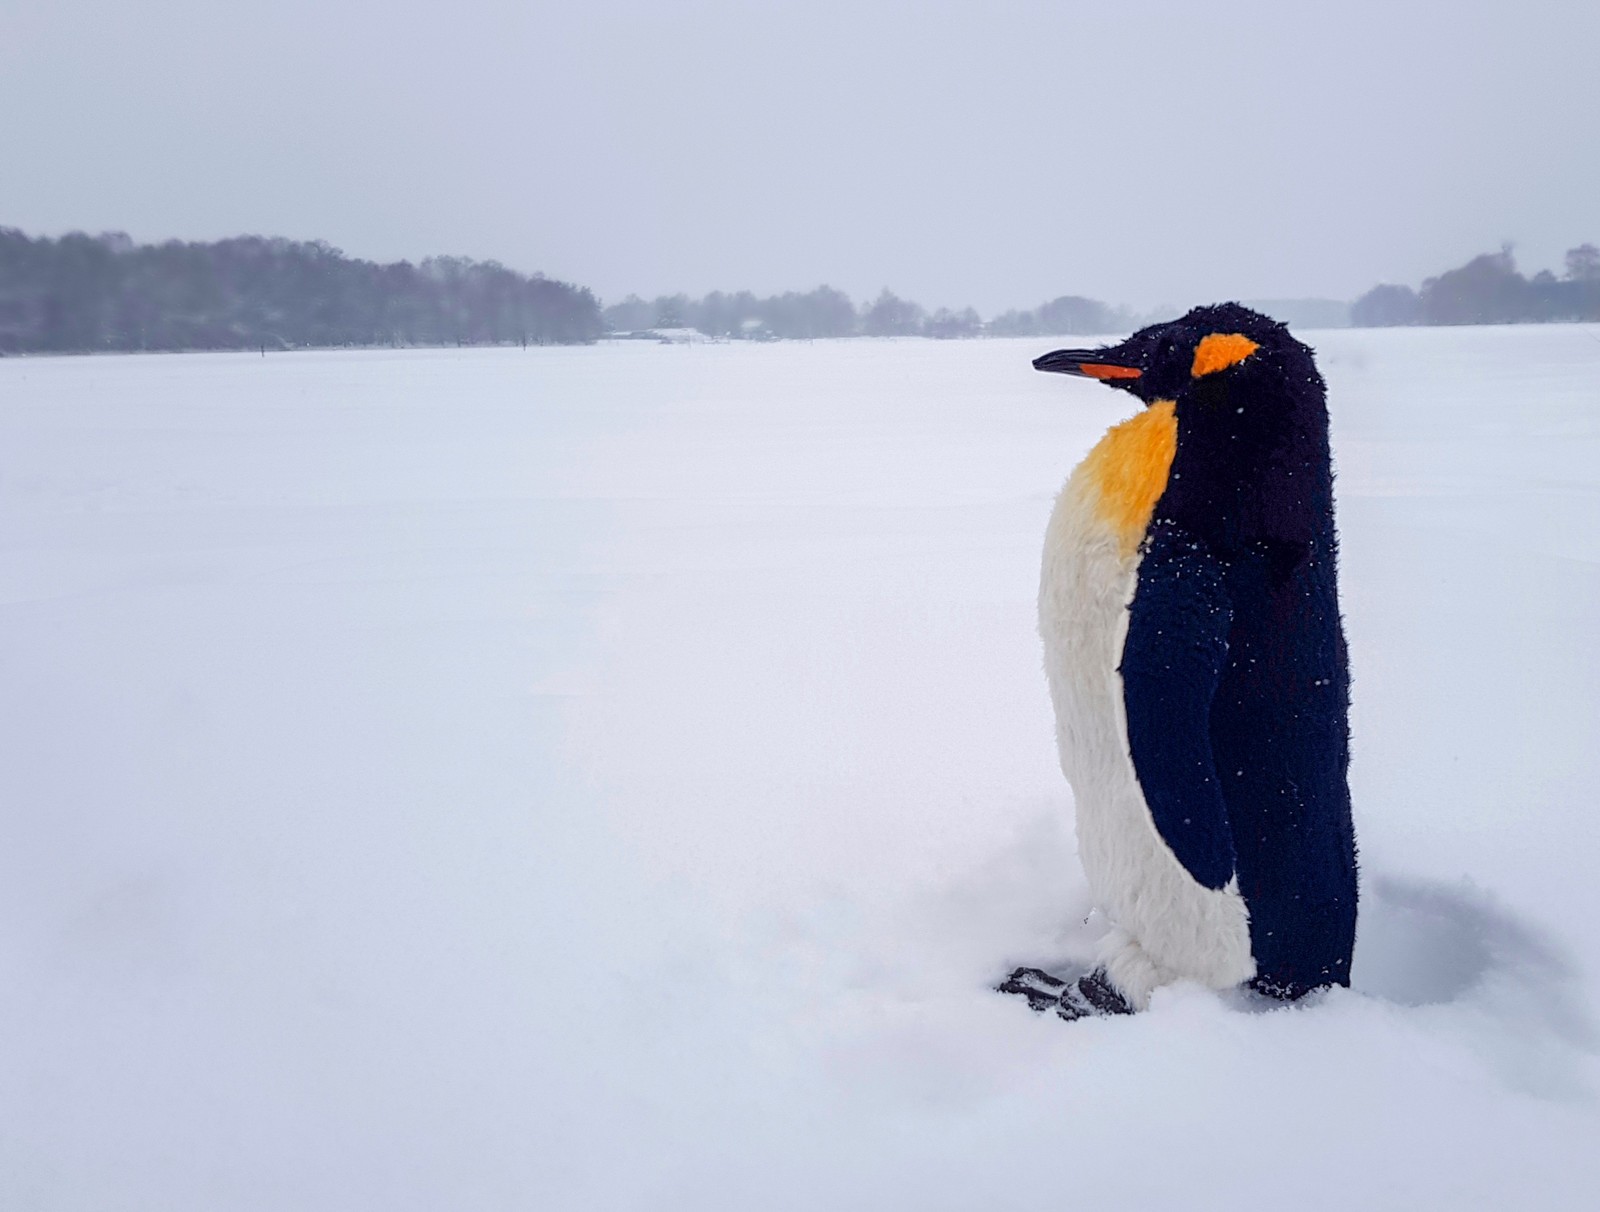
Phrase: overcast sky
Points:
(990, 153)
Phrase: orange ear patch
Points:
(1129, 471)
(1219, 351)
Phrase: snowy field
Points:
(610, 778)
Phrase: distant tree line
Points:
(85, 293)
(826, 312)
(1489, 290)
(823, 312)
(1068, 314)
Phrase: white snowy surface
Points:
(611, 778)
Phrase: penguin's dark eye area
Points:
(1219, 351)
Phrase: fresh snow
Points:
(611, 777)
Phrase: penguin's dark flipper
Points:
(1173, 660)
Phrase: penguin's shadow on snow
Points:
(1423, 944)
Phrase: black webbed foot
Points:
(1093, 996)
(1090, 995)
(1042, 990)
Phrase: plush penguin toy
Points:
(1190, 616)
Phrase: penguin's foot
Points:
(1042, 990)
(1091, 995)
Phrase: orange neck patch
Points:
(1128, 470)
(1219, 351)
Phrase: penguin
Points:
(1196, 660)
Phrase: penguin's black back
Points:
(1248, 510)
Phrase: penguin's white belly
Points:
(1166, 926)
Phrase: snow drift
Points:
(611, 777)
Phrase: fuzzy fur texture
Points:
(1166, 925)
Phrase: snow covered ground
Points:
(611, 778)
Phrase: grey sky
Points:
(987, 153)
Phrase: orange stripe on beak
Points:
(1103, 371)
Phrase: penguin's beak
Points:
(1102, 364)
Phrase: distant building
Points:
(663, 336)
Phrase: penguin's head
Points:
(1211, 346)
(1249, 415)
